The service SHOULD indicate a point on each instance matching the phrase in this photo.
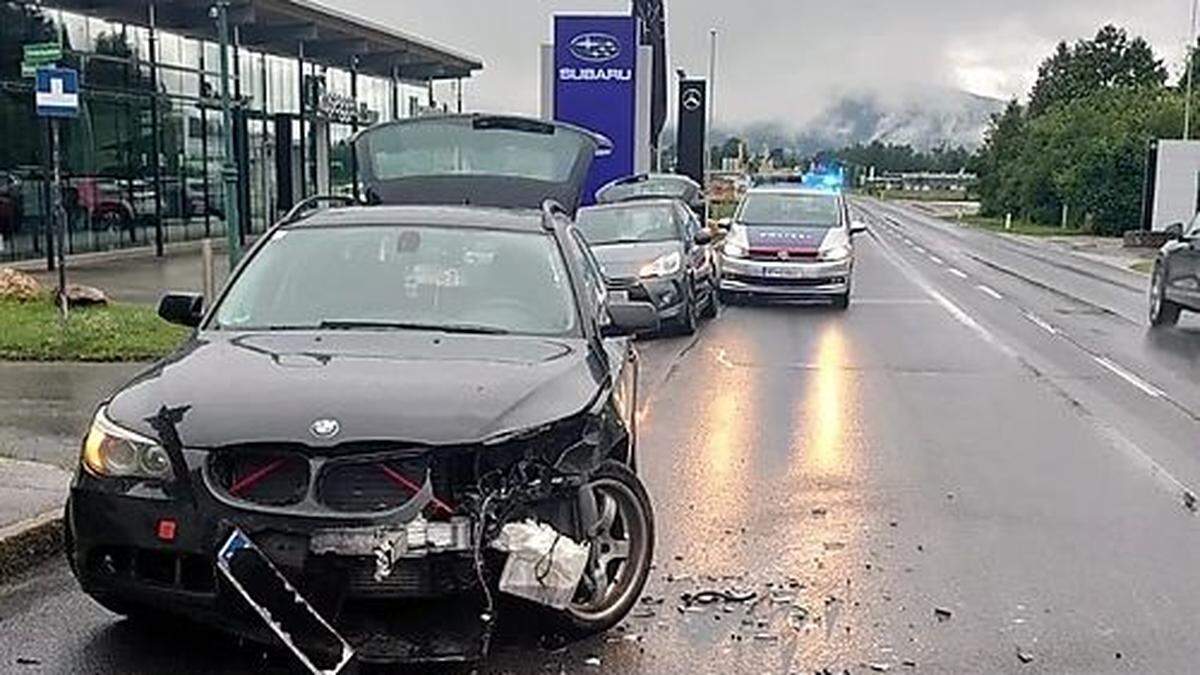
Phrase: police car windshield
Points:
(802, 209)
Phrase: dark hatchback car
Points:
(1175, 283)
(376, 395)
(655, 250)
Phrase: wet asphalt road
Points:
(989, 431)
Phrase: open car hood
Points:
(482, 160)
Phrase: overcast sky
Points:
(778, 58)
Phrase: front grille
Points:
(165, 568)
(783, 282)
(772, 255)
(373, 485)
(265, 476)
(418, 577)
(355, 478)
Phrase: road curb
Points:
(26, 543)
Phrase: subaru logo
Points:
(325, 428)
(595, 47)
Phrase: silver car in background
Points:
(791, 243)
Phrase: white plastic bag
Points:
(543, 565)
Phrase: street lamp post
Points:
(712, 100)
(229, 172)
(1187, 102)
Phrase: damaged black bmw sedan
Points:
(399, 421)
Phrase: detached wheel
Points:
(1163, 312)
(622, 548)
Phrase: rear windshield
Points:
(781, 208)
(456, 279)
(624, 225)
(447, 148)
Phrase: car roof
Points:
(640, 202)
(779, 190)
(478, 217)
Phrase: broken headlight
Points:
(110, 451)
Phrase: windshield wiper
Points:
(466, 328)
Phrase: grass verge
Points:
(1023, 227)
(32, 331)
(1143, 266)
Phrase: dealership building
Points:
(142, 162)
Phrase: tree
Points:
(1109, 60)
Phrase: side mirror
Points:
(628, 318)
(725, 224)
(857, 227)
(703, 237)
(185, 309)
(1174, 231)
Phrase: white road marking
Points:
(918, 249)
(1041, 323)
(936, 260)
(957, 272)
(908, 241)
(1145, 387)
(990, 291)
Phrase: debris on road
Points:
(880, 667)
(1024, 656)
(942, 613)
(592, 661)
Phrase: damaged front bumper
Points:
(412, 583)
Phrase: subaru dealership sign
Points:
(595, 87)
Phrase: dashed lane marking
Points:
(988, 290)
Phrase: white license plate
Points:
(783, 272)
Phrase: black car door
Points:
(699, 255)
(1185, 267)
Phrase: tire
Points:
(842, 302)
(730, 297)
(1163, 312)
(685, 324)
(711, 307)
(630, 522)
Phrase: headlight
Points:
(663, 266)
(737, 242)
(110, 451)
(836, 253)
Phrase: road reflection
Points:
(824, 409)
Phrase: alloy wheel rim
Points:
(617, 556)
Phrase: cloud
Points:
(785, 60)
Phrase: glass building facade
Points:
(142, 163)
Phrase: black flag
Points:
(654, 34)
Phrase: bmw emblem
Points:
(325, 428)
(595, 47)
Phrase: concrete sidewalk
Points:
(32, 496)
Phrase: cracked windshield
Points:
(599, 336)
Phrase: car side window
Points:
(593, 277)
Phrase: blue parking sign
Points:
(57, 92)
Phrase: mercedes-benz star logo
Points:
(325, 428)
(784, 255)
(692, 99)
